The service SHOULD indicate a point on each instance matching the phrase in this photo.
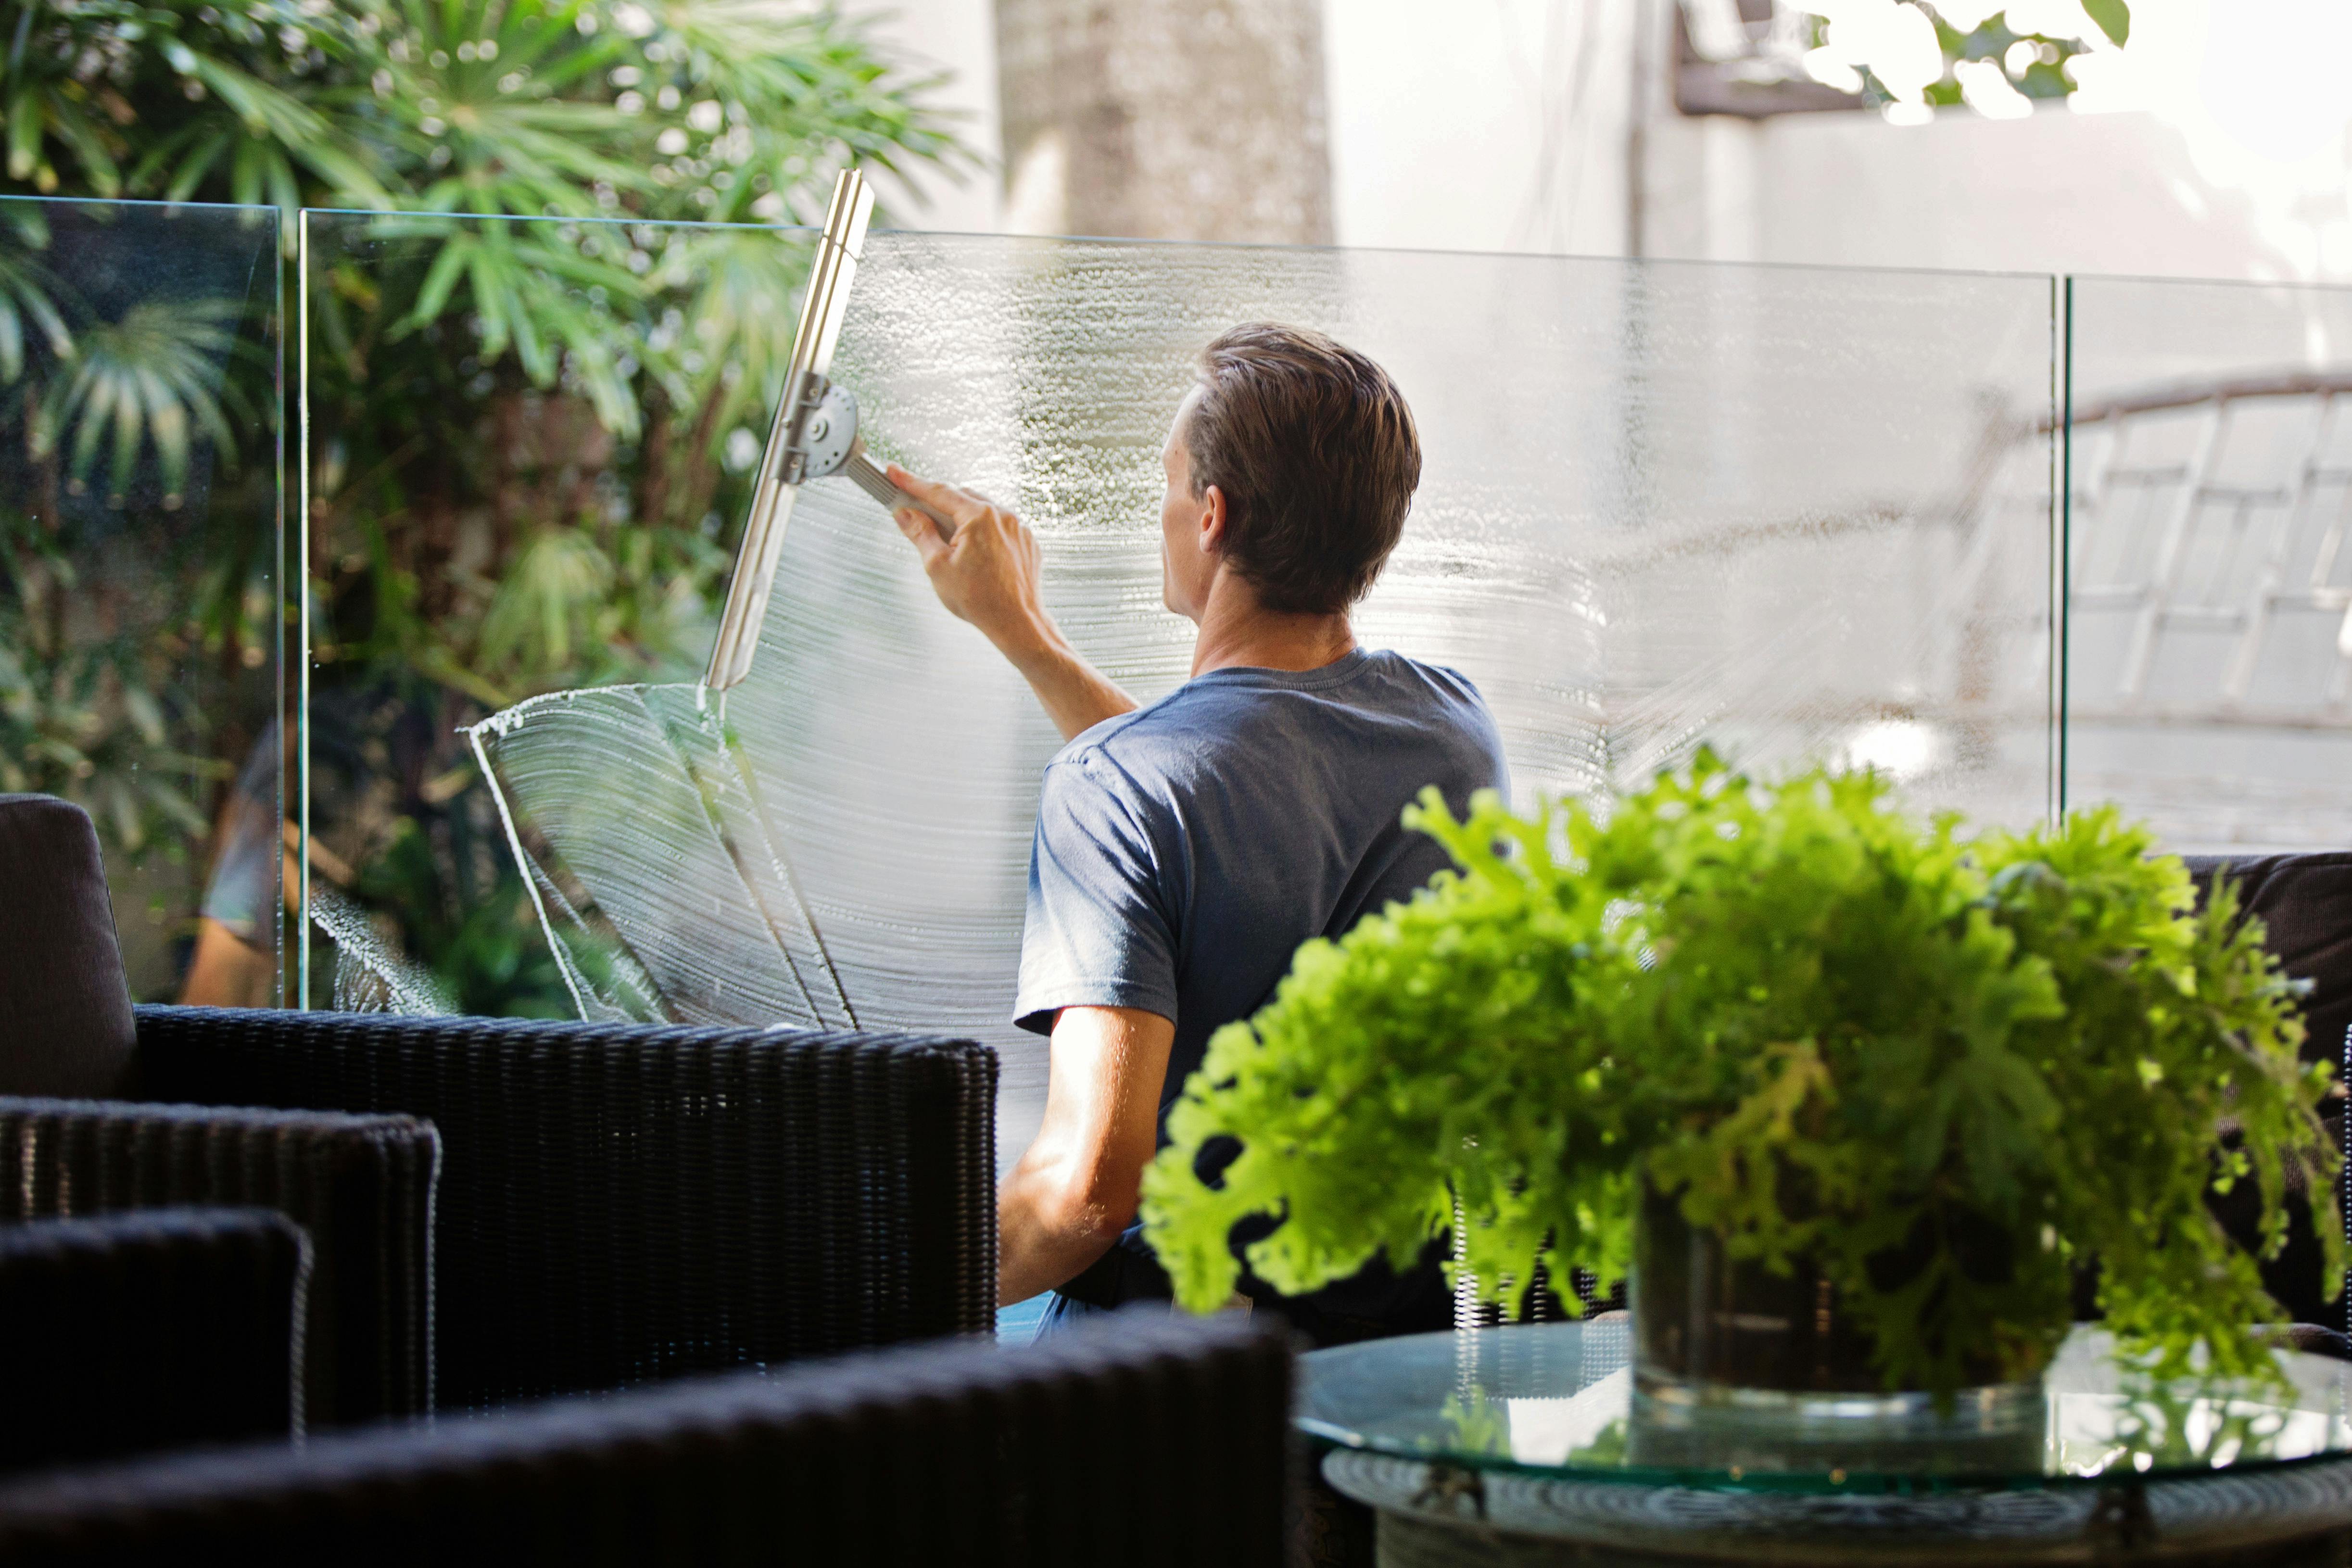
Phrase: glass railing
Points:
(140, 621)
(1790, 512)
(2209, 671)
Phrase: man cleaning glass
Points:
(1185, 849)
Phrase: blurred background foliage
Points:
(1941, 54)
(2034, 61)
(528, 439)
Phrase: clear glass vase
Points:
(1735, 1367)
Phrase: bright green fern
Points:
(1834, 1032)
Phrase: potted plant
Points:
(1851, 1095)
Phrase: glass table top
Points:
(1558, 1400)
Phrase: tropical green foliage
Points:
(2044, 61)
(2038, 71)
(94, 713)
(149, 379)
(700, 109)
(1830, 1031)
(521, 429)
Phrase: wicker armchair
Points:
(618, 1203)
(359, 1186)
(149, 1330)
(1143, 1440)
(611, 1203)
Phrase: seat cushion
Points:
(2305, 901)
(65, 1009)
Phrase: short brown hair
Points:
(1315, 452)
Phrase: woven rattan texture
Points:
(1143, 1440)
(147, 1331)
(361, 1186)
(619, 1203)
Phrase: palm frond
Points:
(145, 379)
(28, 292)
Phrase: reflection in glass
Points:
(140, 620)
(2209, 665)
(1557, 1396)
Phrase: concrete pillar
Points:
(1165, 119)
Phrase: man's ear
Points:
(1213, 521)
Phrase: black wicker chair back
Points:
(148, 1331)
(620, 1203)
(1145, 1441)
(361, 1187)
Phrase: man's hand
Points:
(988, 574)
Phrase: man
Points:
(1185, 850)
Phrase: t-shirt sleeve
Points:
(1098, 933)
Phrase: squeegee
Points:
(815, 435)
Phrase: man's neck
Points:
(1237, 633)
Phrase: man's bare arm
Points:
(1078, 1185)
(988, 574)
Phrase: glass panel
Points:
(1789, 512)
(1558, 1399)
(2210, 636)
(523, 444)
(140, 619)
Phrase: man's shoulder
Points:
(1190, 728)
(1086, 750)
(1108, 757)
(1129, 758)
(1442, 680)
(1439, 698)
(1176, 720)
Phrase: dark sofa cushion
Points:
(65, 1009)
(2305, 901)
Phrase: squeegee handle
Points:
(862, 470)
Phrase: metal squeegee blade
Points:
(831, 272)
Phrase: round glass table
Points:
(1527, 1444)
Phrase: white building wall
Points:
(2057, 192)
(1502, 128)
(1503, 125)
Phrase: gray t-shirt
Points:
(1185, 850)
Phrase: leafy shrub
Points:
(1831, 1031)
